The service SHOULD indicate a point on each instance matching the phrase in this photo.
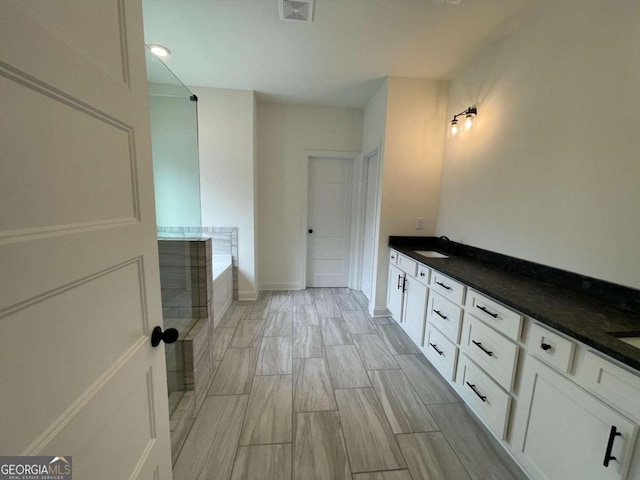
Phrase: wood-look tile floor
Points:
(309, 386)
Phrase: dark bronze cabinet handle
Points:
(399, 280)
(494, 315)
(479, 345)
(612, 437)
(473, 387)
(404, 284)
(422, 274)
(435, 347)
(437, 312)
(545, 346)
(444, 286)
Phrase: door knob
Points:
(170, 335)
(311, 230)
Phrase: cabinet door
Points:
(395, 292)
(415, 309)
(561, 431)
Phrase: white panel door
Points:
(79, 279)
(370, 210)
(329, 222)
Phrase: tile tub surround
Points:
(221, 286)
(186, 264)
(587, 314)
(224, 242)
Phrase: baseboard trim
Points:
(282, 286)
(381, 312)
(247, 294)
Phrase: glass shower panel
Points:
(174, 139)
(176, 173)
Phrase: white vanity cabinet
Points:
(561, 410)
(408, 294)
(415, 309)
(563, 432)
(395, 292)
(488, 361)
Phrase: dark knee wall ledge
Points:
(585, 308)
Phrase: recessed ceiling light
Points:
(159, 50)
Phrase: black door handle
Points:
(311, 230)
(170, 335)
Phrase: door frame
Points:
(356, 157)
(363, 177)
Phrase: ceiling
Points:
(338, 60)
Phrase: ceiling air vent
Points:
(296, 10)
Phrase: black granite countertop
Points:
(584, 317)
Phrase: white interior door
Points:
(329, 222)
(80, 284)
(370, 210)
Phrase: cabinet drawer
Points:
(445, 315)
(407, 264)
(617, 386)
(393, 257)
(450, 289)
(440, 352)
(501, 318)
(551, 348)
(424, 274)
(483, 395)
(494, 353)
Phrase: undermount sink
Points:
(631, 338)
(431, 254)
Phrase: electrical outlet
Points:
(419, 223)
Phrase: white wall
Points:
(374, 122)
(373, 136)
(227, 172)
(552, 173)
(284, 133)
(174, 139)
(411, 164)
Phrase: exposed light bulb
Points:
(468, 123)
(159, 50)
(454, 128)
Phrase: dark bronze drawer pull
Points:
(435, 347)
(444, 286)
(479, 345)
(473, 387)
(545, 346)
(440, 314)
(494, 315)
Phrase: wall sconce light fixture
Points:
(467, 125)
